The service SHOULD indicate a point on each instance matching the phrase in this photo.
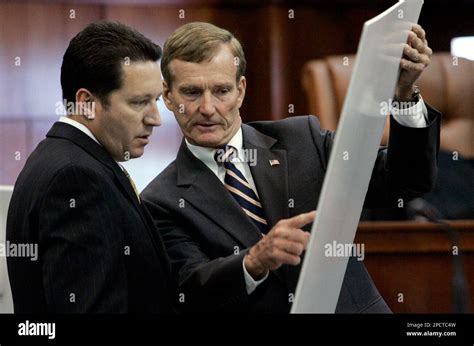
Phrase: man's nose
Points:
(152, 117)
(207, 107)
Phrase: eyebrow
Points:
(187, 87)
(136, 96)
(224, 85)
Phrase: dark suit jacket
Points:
(207, 234)
(98, 248)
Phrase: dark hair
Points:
(94, 57)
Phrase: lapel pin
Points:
(274, 163)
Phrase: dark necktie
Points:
(240, 189)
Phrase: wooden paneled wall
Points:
(278, 38)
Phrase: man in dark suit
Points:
(233, 206)
(99, 251)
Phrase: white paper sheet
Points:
(353, 155)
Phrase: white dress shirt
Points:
(415, 116)
(78, 126)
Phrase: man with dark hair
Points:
(234, 207)
(98, 248)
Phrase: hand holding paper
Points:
(416, 57)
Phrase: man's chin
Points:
(136, 153)
(130, 154)
(211, 140)
(208, 143)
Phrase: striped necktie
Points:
(240, 189)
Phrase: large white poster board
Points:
(353, 155)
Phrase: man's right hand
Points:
(284, 244)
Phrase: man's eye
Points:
(140, 102)
(191, 93)
(222, 91)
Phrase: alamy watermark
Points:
(86, 109)
(248, 156)
(336, 249)
(28, 328)
(398, 107)
(9, 249)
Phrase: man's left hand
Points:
(416, 57)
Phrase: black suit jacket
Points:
(207, 234)
(98, 248)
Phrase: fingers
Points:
(417, 39)
(292, 234)
(280, 256)
(411, 66)
(271, 252)
(418, 30)
(428, 50)
(290, 247)
(284, 244)
(415, 42)
(414, 55)
(300, 220)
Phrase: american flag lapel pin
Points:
(274, 163)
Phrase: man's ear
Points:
(241, 88)
(85, 104)
(167, 96)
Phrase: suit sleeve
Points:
(204, 284)
(406, 169)
(81, 245)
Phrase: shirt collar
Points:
(206, 154)
(86, 131)
(78, 126)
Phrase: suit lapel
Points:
(207, 194)
(66, 131)
(270, 174)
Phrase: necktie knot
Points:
(225, 154)
(238, 186)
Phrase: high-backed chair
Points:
(447, 84)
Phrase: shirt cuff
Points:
(250, 283)
(414, 116)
